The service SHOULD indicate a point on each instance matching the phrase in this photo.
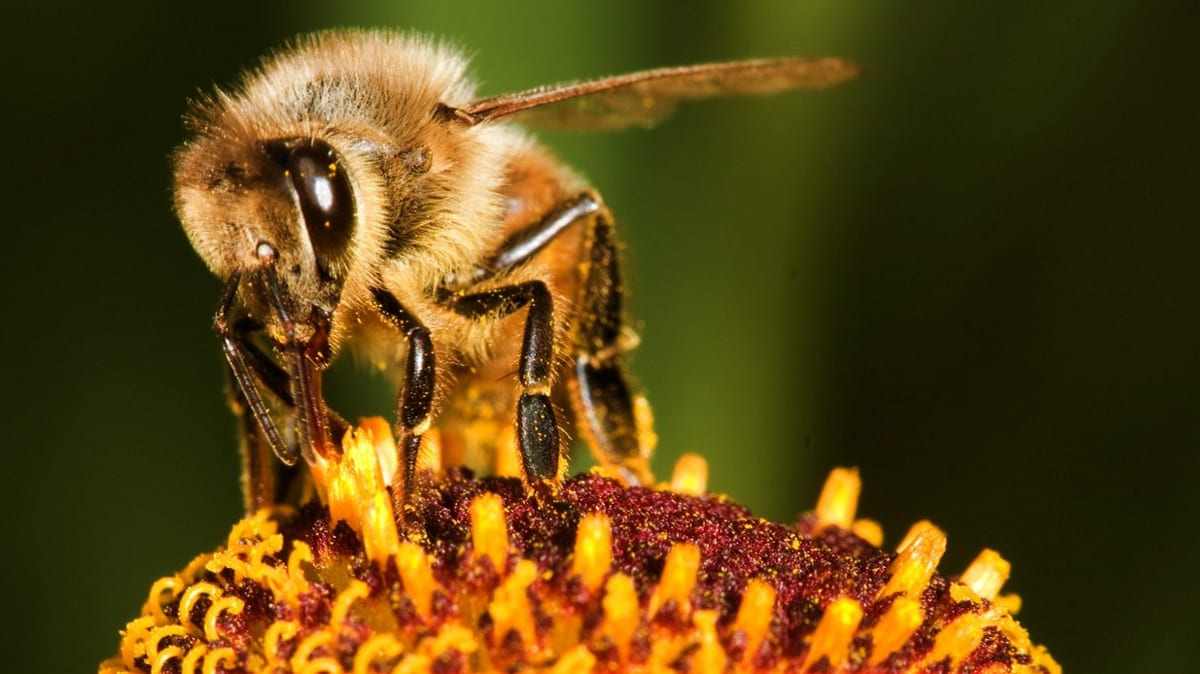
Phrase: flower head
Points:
(482, 575)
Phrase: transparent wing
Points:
(646, 98)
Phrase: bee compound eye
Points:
(325, 197)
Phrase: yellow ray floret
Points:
(593, 550)
(678, 579)
(868, 530)
(839, 498)
(754, 616)
(987, 574)
(417, 576)
(710, 657)
(356, 493)
(489, 531)
(918, 558)
(690, 476)
(955, 641)
(895, 628)
(510, 609)
(621, 613)
(831, 640)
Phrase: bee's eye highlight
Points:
(322, 191)
(326, 200)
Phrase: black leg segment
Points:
(602, 395)
(414, 403)
(526, 243)
(537, 426)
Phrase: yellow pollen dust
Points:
(489, 531)
(831, 640)
(678, 579)
(754, 615)
(593, 550)
(691, 475)
(987, 574)
(895, 628)
(913, 567)
(839, 498)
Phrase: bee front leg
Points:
(265, 481)
(414, 402)
(248, 367)
(537, 425)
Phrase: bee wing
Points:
(647, 97)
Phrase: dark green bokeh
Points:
(969, 273)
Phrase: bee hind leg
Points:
(615, 418)
(537, 424)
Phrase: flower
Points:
(483, 575)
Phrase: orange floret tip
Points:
(484, 575)
(754, 617)
(895, 628)
(915, 563)
(839, 498)
(690, 476)
(831, 640)
(593, 550)
(678, 580)
(987, 574)
(489, 532)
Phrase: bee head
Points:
(281, 213)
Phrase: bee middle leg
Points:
(414, 402)
(613, 416)
(537, 425)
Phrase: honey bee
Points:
(353, 193)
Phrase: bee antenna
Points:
(448, 113)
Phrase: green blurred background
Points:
(970, 273)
